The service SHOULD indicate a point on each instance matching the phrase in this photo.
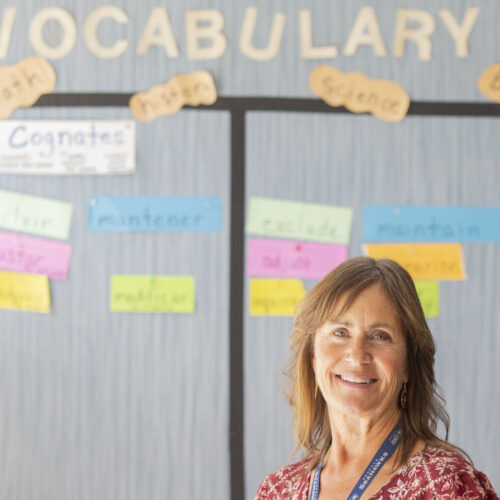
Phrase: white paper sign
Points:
(57, 147)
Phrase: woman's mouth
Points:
(352, 379)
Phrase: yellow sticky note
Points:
(24, 292)
(140, 293)
(428, 293)
(424, 261)
(270, 297)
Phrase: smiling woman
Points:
(364, 395)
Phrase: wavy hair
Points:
(425, 409)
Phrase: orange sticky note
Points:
(424, 261)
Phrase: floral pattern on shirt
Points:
(434, 473)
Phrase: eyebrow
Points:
(348, 324)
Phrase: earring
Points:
(403, 400)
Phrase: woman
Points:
(364, 395)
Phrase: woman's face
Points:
(360, 357)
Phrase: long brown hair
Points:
(425, 408)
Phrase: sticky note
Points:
(430, 224)
(154, 213)
(293, 259)
(24, 292)
(152, 294)
(67, 147)
(424, 261)
(274, 297)
(428, 293)
(28, 254)
(300, 221)
(35, 215)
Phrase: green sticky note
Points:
(35, 215)
(299, 221)
(428, 293)
(161, 294)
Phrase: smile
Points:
(356, 380)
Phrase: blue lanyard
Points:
(384, 452)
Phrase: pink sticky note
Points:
(28, 254)
(293, 259)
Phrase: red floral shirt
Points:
(432, 473)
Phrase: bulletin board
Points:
(101, 404)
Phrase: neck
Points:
(356, 440)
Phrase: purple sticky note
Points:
(28, 254)
(293, 259)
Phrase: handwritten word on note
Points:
(489, 82)
(23, 83)
(297, 220)
(424, 261)
(428, 293)
(154, 213)
(168, 98)
(25, 292)
(135, 293)
(424, 223)
(385, 99)
(27, 254)
(57, 147)
(35, 215)
(292, 259)
(271, 297)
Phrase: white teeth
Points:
(357, 380)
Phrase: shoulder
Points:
(291, 482)
(443, 473)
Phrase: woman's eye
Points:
(339, 333)
(381, 336)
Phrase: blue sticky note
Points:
(154, 213)
(432, 224)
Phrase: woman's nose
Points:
(359, 352)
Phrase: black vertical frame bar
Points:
(236, 292)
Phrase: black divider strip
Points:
(422, 108)
(236, 270)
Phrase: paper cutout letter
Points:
(154, 213)
(293, 259)
(297, 220)
(132, 293)
(269, 297)
(489, 82)
(25, 292)
(35, 215)
(168, 98)
(428, 293)
(27, 254)
(385, 99)
(424, 261)
(24, 82)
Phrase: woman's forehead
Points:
(372, 302)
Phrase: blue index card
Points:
(433, 224)
(154, 213)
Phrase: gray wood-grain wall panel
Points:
(350, 161)
(445, 77)
(100, 405)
